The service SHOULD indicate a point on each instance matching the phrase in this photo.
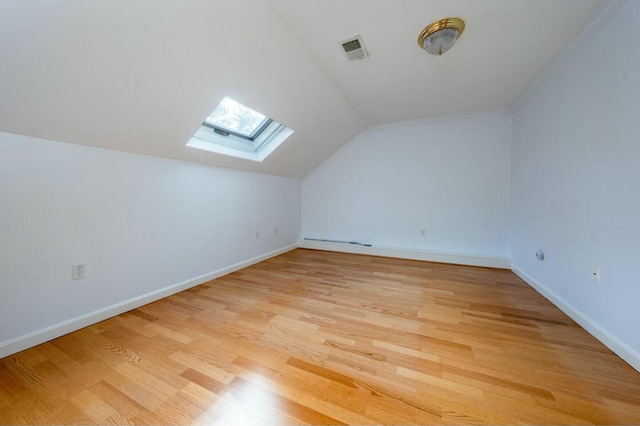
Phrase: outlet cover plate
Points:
(79, 271)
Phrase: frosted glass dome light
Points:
(440, 36)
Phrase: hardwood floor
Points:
(327, 338)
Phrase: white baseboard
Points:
(610, 341)
(431, 256)
(21, 343)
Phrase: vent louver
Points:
(354, 48)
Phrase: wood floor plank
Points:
(312, 337)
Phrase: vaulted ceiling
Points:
(141, 76)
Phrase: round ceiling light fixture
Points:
(440, 36)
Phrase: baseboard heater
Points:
(354, 243)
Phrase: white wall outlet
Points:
(423, 232)
(597, 274)
(79, 271)
(257, 234)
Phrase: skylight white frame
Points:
(256, 147)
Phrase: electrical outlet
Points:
(275, 231)
(79, 271)
(257, 234)
(597, 274)
(423, 232)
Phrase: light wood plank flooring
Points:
(326, 338)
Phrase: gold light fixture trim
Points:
(456, 24)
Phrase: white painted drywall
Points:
(140, 224)
(141, 76)
(576, 183)
(448, 177)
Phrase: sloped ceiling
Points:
(505, 46)
(140, 76)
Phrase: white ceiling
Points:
(506, 44)
(141, 76)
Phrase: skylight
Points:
(237, 130)
(238, 119)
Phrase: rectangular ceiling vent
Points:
(354, 48)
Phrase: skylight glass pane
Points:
(230, 115)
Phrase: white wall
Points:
(448, 177)
(141, 224)
(576, 184)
